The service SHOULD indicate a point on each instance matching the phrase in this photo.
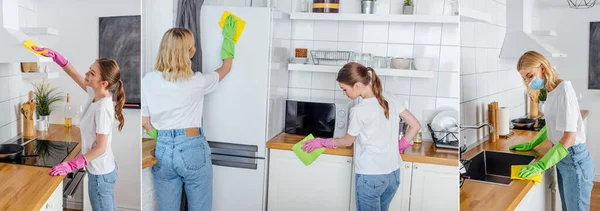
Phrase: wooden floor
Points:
(595, 200)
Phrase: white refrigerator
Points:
(248, 107)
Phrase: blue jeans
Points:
(182, 161)
(575, 178)
(101, 189)
(375, 192)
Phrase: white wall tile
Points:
(481, 60)
(397, 85)
(428, 51)
(400, 50)
(502, 15)
(448, 85)
(303, 30)
(376, 49)
(469, 87)
(375, 32)
(470, 112)
(326, 30)
(492, 57)
(339, 95)
(14, 109)
(429, 7)
(300, 79)
(15, 84)
(492, 82)
(491, 9)
(402, 33)
(424, 86)
(450, 35)
(14, 128)
(298, 93)
(480, 5)
(349, 6)
(322, 94)
(481, 35)
(323, 81)
(447, 102)
(404, 100)
(4, 118)
(282, 29)
(467, 62)
(396, 6)
(350, 31)
(382, 7)
(449, 58)
(482, 88)
(4, 91)
(421, 106)
(428, 33)
(467, 34)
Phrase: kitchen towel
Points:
(307, 158)
(29, 44)
(503, 121)
(239, 25)
(514, 174)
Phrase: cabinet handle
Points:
(348, 161)
(406, 166)
(416, 167)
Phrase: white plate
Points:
(444, 121)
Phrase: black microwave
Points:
(319, 118)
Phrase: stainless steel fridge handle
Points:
(234, 161)
(69, 191)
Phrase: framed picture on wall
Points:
(594, 66)
(120, 39)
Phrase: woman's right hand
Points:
(58, 59)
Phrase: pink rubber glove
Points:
(316, 143)
(67, 167)
(59, 59)
(403, 144)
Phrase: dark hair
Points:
(110, 72)
(353, 73)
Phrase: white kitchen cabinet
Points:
(55, 202)
(538, 197)
(434, 187)
(324, 185)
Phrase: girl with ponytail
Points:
(375, 121)
(96, 127)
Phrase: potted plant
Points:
(408, 8)
(45, 96)
(368, 6)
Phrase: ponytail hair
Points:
(110, 72)
(353, 73)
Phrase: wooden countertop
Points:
(148, 146)
(483, 196)
(29, 187)
(425, 152)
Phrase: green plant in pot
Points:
(45, 96)
(408, 8)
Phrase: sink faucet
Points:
(478, 126)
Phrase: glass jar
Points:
(418, 138)
(326, 6)
(365, 59)
(387, 62)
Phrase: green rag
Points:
(307, 158)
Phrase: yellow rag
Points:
(514, 174)
(29, 44)
(239, 26)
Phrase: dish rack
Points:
(439, 141)
(321, 55)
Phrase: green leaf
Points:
(45, 96)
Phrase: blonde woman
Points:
(564, 126)
(172, 106)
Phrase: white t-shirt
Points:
(176, 105)
(98, 118)
(562, 113)
(376, 147)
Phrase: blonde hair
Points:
(173, 58)
(534, 59)
(353, 73)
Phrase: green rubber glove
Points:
(153, 133)
(554, 155)
(539, 138)
(227, 49)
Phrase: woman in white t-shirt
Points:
(172, 102)
(375, 120)
(565, 129)
(103, 77)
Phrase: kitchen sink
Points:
(494, 167)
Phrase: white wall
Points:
(77, 23)
(13, 89)
(438, 41)
(573, 27)
(485, 77)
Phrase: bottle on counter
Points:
(68, 113)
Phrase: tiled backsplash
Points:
(12, 94)
(437, 41)
(484, 76)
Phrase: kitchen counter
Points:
(483, 196)
(29, 187)
(425, 152)
(148, 146)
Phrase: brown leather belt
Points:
(193, 131)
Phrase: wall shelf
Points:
(470, 15)
(545, 33)
(39, 31)
(374, 17)
(379, 71)
(38, 75)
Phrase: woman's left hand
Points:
(67, 167)
(530, 170)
